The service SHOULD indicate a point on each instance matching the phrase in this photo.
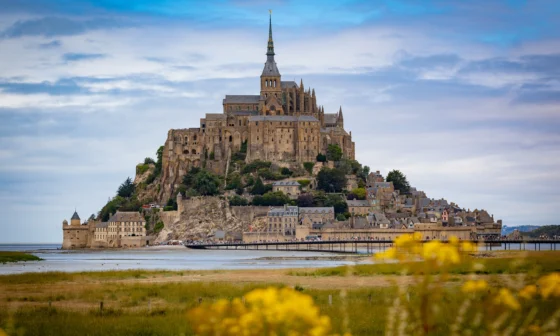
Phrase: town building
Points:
(290, 188)
(358, 207)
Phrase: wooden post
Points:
(369, 298)
(50, 304)
(330, 299)
(199, 300)
(150, 305)
(101, 307)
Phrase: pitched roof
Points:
(383, 184)
(75, 215)
(241, 113)
(312, 210)
(357, 203)
(282, 118)
(286, 183)
(289, 210)
(270, 68)
(288, 84)
(330, 118)
(127, 216)
(215, 116)
(101, 225)
(242, 99)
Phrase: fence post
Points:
(101, 307)
(199, 300)
(369, 298)
(150, 305)
(330, 299)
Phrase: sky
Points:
(461, 96)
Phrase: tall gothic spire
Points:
(270, 49)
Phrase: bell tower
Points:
(270, 77)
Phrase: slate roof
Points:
(220, 234)
(215, 116)
(127, 216)
(286, 183)
(315, 210)
(284, 211)
(102, 225)
(242, 113)
(383, 184)
(283, 118)
(378, 218)
(242, 99)
(75, 215)
(330, 118)
(270, 68)
(288, 84)
(357, 203)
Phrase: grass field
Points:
(8, 256)
(156, 302)
(508, 263)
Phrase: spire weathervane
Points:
(270, 49)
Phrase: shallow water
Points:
(164, 258)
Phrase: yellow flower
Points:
(550, 285)
(2, 333)
(528, 292)
(505, 298)
(390, 253)
(269, 311)
(473, 286)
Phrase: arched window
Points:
(230, 138)
(194, 137)
(194, 151)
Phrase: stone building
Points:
(283, 221)
(75, 235)
(358, 207)
(283, 124)
(290, 188)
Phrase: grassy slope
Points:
(8, 256)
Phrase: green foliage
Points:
(321, 158)
(158, 167)
(271, 199)
(331, 180)
(148, 161)
(12, 256)
(126, 189)
(158, 227)
(399, 181)
(188, 178)
(118, 203)
(357, 193)
(549, 231)
(286, 171)
(320, 199)
(268, 174)
(142, 168)
(243, 148)
(255, 165)
(171, 204)
(237, 201)
(206, 183)
(308, 166)
(304, 183)
(305, 200)
(212, 155)
(238, 156)
(340, 217)
(334, 152)
(234, 182)
(258, 187)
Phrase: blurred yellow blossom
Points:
(2, 333)
(550, 285)
(534, 329)
(473, 286)
(270, 311)
(528, 292)
(505, 298)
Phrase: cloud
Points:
(56, 26)
(50, 45)
(72, 57)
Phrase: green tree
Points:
(271, 199)
(357, 193)
(309, 167)
(321, 158)
(331, 180)
(305, 200)
(286, 171)
(334, 153)
(126, 189)
(258, 187)
(149, 160)
(206, 183)
(399, 181)
(337, 202)
(237, 201)
(340, 217)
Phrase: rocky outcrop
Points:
(199, 217)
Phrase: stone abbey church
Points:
(283, 124)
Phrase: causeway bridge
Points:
(368, 246)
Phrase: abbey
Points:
(283, 124)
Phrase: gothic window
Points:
(194, 137)
(230, 138)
